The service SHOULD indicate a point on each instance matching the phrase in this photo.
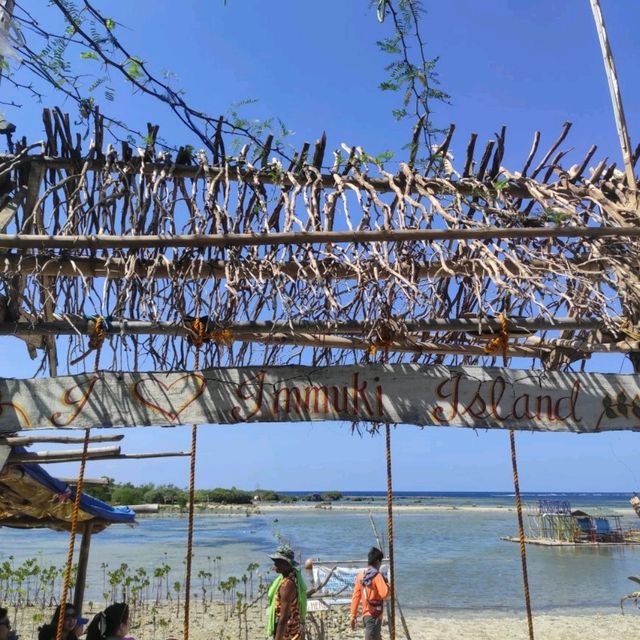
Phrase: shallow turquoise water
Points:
(445, 560)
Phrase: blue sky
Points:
(527, 65)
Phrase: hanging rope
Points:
(72, 535)
(198, 335)
(523, 552)
(500, 344)
(197, 338)
(192, 485)
(392, 572)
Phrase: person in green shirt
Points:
(287, 598)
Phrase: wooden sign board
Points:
(411, 394)
(339, 587)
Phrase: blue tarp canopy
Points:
(30, 497)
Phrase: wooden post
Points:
(614, 90)
(83, 561)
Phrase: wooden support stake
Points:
(83, 562)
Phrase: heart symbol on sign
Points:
(144, 392)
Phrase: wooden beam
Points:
(25, 441)
(158, 454)
(122, 456)
(407, 345)
(87, 482)
(472, 325)
(56, 456)
(268, 176)
(114, 267)
(71, 242)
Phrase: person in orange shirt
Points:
(370, 590)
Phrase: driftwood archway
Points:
(345, 274)
(296, 265)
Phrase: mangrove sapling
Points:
(176, 588)
(205, 581)
(245, 580)
(253, 566)
(239, 607)
(161, 574)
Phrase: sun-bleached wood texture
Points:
(245, 239)
(492, 398)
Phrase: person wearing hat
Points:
(370, 590)
(72, 626)
(287, 598)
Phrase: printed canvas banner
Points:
(339, 587)
(411, 394)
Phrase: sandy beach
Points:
(212, 622)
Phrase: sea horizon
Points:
(372, 492)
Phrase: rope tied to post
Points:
(97, 329)
(73, 526)
(499, 344)
(199, 334)
(380, 345)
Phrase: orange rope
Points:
(198, 327)
(72, 535)
(523, 552)
(392, 575)
(192, 484)
(198, 335)
(378, 345)
(96, 340)
(499, 344)
(97, 329)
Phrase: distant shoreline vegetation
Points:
(127, 493)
